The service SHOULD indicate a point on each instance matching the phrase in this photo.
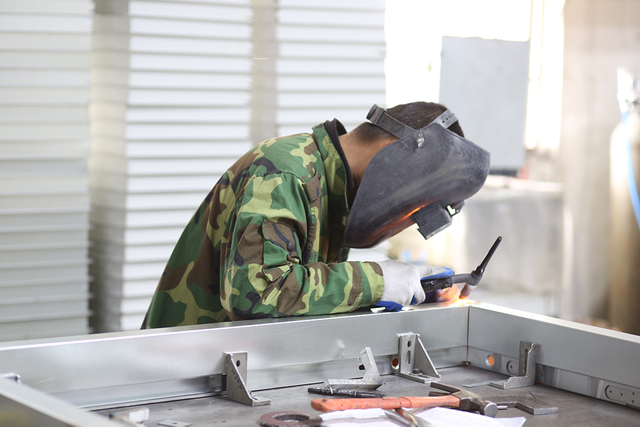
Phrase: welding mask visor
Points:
(423, 177)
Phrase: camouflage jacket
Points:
(267, 242)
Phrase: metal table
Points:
(573, 409)
(591, 374)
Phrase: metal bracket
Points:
(236, 372)
(526, 368)
(370, 381)
(414, 361)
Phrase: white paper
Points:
(446, 417)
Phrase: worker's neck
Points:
(360, 153)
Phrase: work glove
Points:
(402, 283)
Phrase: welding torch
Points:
(471, 280)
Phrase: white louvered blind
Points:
(44, 146)
(170, 110)
(331, 62)
(330, 65)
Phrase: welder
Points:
(272, 237)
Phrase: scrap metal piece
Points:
(131, 416)
(414, 361)
(526, 368)
(236, 370)
(529, 404)
(370, 381)
(290, 419)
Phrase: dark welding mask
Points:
(423, 177)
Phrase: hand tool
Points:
(471, 280)
(529, 404)
(345, 393)
(457, 398)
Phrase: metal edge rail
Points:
(119, 369)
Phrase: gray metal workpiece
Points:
(139, 368)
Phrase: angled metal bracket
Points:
(370, 381)
(526, 368)
(236, 372)
(414, 362)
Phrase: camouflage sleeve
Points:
(265, 275)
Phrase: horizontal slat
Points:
(133, 253)
(29, 311)
(40, 182)
(54, 166)
(174, 45)
(151, 62)
(170, 80)
(134, 236)
(331, 17)
(65, 148)
(158, 132)
(44, 95)
(187, 149)
(183, 10)
(36, 202)
(299, 33)
(333, 4)
(47, 6)
(45, 41)
(171, 27)
(332, 50)
(39, 78)
(311, 116)
(44, 219)
(125, 288)
(40, 131)
(155, 184)
(45, 23)
(144, 218)
(172, 201)
(315, 99)
(70, 286)
(301, 67)
(44, 59)
(43, 113)
(331, 83)
(193, 166)
(186, 114)
(35, 272)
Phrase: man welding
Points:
(272, 237)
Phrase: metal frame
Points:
(130, 368)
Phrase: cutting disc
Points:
(290, 419)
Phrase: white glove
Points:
(402, 281)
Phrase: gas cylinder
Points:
(624, 275)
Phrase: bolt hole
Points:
(237, 363)
(409, 343)
(395, 362)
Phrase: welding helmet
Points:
(423, 177)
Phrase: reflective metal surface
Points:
(128, 369)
